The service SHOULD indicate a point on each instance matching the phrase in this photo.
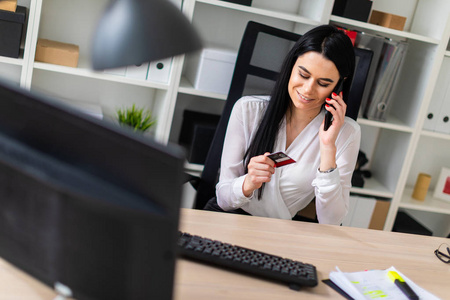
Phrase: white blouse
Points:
(292, 186)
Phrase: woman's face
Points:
(312, 80)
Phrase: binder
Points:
(441, 92)
(137, 71)
(375, 44)
(159, 71)
(386, 78)
(116, 71)
(443, 119)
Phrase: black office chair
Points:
(259, 59)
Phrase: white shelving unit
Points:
(398, 149)
(406, 147)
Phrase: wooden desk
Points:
(325, 246)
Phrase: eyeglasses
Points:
(441, 255)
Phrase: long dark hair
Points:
(327, 40)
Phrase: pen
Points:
(403, 286)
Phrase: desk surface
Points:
(325, 246)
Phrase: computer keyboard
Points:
(296, 274)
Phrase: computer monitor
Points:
(86, 203)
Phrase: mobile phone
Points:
(328, 115)
(280, 159)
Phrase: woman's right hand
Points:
(260, 170)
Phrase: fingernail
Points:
(334, 94)
(327, 105)
(328, 99)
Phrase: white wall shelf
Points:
(273, 13)
(373, 188)
(187, 88)
(384, 31)
(391, 123)
(430, 204)
(437, 135)
(89, 73)
(11, 61)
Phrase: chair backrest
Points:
(259, 59)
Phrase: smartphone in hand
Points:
(328, 115)
(280, 159)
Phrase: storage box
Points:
(387, 20)
(11, 31)
(57, 53)
(9, 5)
(353, 9)
(212, 69)
(379, 214)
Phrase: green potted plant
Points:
(137, 118)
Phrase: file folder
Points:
(443, 118)
(159, 71)
(137, 71)
(388, 69)
(437, 100)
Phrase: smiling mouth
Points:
(305, 98)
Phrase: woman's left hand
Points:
(337, 107)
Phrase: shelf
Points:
(262, 12)
(380, 30)
(392, 123)
(193, 167)
(87, 73)
(11, 61)
(438, 135)
(430, 203)
(187, 88)
(372, 188)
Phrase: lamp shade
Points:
(131, 32)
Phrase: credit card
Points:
(280, 159)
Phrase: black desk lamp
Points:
(131, 32)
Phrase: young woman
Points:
(291, 120)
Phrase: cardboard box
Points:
(11, 31)
(9, 5)
(387, 20)
(57, 53)
(379, 214)
(212, 70)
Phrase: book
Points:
(374, 284)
